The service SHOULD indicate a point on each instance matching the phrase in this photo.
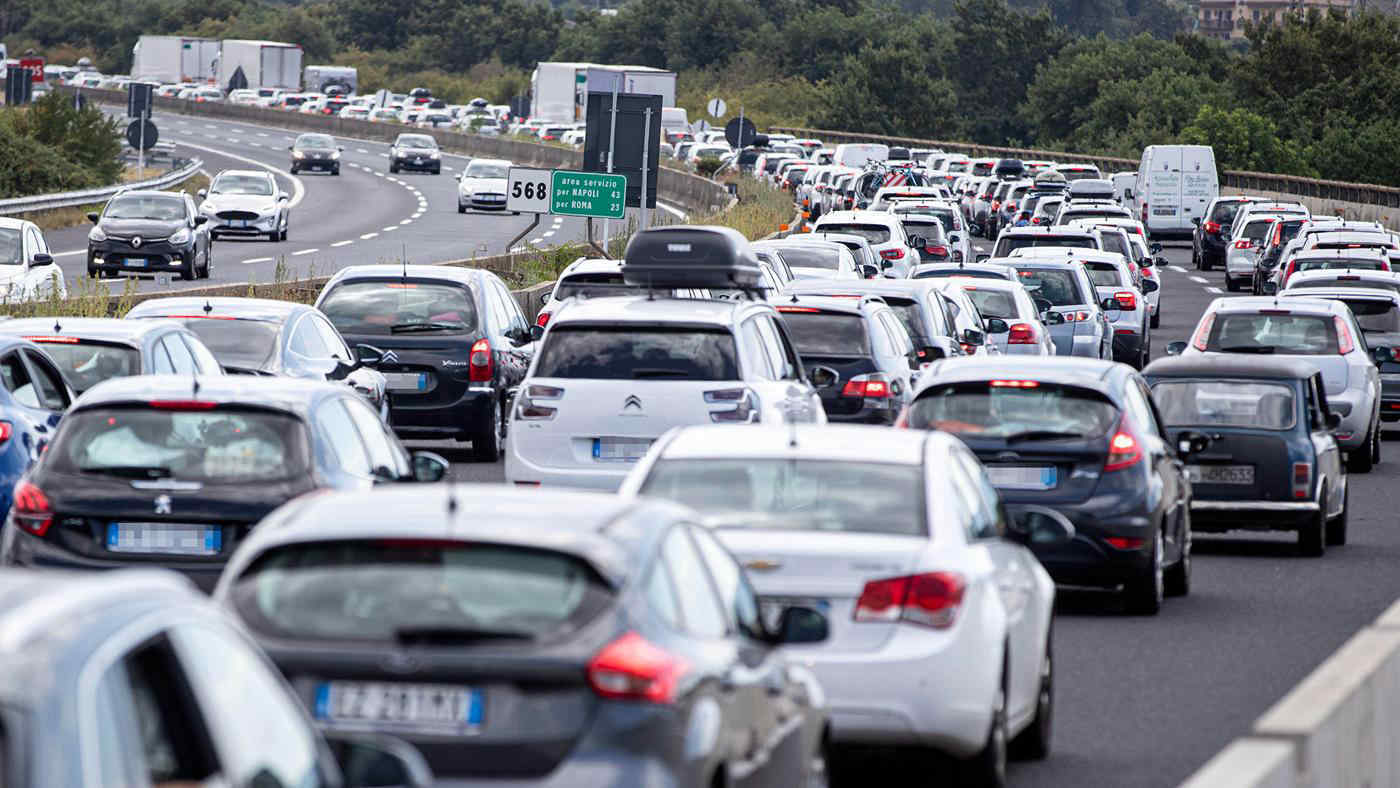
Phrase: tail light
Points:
(1287, 272)
(1126, 299)
(7, 431)
(872, 386)
(931, 599)
(1126, 542)
(182, 404)
(1124, 450)
(1203, 332)
(1211, 227)
(892, 254)
(996, 205)
(1011, 206)
(1244, 243)
(1344, 341)
(528, 408)
(1079, 316)
(1035, 220)
(744, 410)
(1144, 213)
(31, 510)
(1022, 334)
(1147, 272)
(941, 251)
(1302, 479)
(542, 320)
(481, 366)
(630, 668)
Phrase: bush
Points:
(707, 166)
(34, 168)
(51, 146)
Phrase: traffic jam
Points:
(770, 508)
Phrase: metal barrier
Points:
(44, 202)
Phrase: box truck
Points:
(317, 79)
(265, 64)
(174, 59)
(559, 91)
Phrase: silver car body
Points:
(233, 210)
(1014, 305)
(1242, 249)
(851, 253)
(1086, 331)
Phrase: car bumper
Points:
(258, 226)
(147, 259)
(1086, 346)
(603, 477)
(481, 203)
(1220, 516)
(22, 549)
(316, 164)
(432, 165)
(1356, 420)
(440, 421)
(1213, 247)
(1127, 346)
(1088, 559)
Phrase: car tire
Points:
(293, 170)
(1156, 319)
(1230, 284)
(1363, 458)
(208, 268)
(1177, 579)
(987, 769)
(487, 444)
(335, 171)
(1195, 258)
(393, 169)
(461, 208)
(1033, 743)
(1143, 594)
(437, 171)
(1311, 536)
(1205, 262)
(1337, 526)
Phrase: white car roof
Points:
(855, 217)
(1342, 292)
(648, 309)
(591, 265)
(1249, 304)
(497, 162)
(11, 223)
(830, 442)
(1330, 274)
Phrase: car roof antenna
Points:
(57, 328)
(208, 307)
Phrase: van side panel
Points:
(1200, 183)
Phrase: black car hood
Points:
(146, 227)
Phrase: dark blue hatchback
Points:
(33, 398)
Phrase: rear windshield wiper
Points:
(449, 634)
(404, 328)
(1261, 349)
(1040, 435)
(129, 471)
(647, 372)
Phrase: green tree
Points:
(87, 139)
(994, 55)
(1244, 140)
(888, 89)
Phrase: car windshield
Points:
(416, 141)
(480, 170)
(817, 333)
(1225, 403)
(1276, 331)
(947, 273)
(796, 495)
(1091, 213)
(1224, 212)
(874, 233)
(239, 345)
(225, 445)
(1058, 286)
(992, 303)
(1103, 274)
(1005, 408)
(11, 248)
(417, 591)
(84, 364)
(399, 307)
(621, 352)
(1011, 243)
(242, 184)
(317, 141)
(1375, 315)
(810, 257)
(153, 207)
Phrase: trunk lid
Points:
(1042, 471)
(1264, 452)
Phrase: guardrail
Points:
(1360, 193)
(44, 202)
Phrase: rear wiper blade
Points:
(1040, 435)
(129, 471)
(401, 328)
(659, 373)
(449, 634)
(1260, 349)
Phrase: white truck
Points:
(174, 59)
(559, 91)
(1175, 184)
(265, 64)
(316, 79)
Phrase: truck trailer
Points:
(559, 91)
(174, 59)
(265, 64)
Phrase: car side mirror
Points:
(1110, 305)
(1189, 442)
(519, 336)
(929, 353)
(1149, 286)
(42, 258)
(339, 149)
(821, 377)
(917, 241)
(198, 220)
(291, 147)
(282, 197)
(1155, 248)
(202, 193)
(1127, 194)
(974, 337)
(536, 333)
(800, 625)
(92, 216)
(429, 467)
(1176, 348)
(1053, 318)
(368, 355)
(376, 759)
(869, 271)
(1030, 524)
(1196, 220)
(1382, 354)
(996, 325)
(457, 177)
(1334, 420)
(982, 257)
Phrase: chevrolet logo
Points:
(762, 565)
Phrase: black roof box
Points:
(691, 256)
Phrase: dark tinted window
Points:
(826, 333)
(1345, 282)
(1058, 286)
(85, 364)
(1278, 332)
(993, 303)
(1359, 264)
(237, 344)
(810, 257)
(385, 308)
(874, 233)
(974, 273)
(578, 284)
(1103, 274)
(318, 141)
(146, 206)
(1375, 315)
(1224, 212)
(624, 353)
(1112, 242)
(1233, 403)
(1001, 409)
(908, 312)
(416, 141)
(1257, 231)
(1011, 243)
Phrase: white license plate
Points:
(1220, 474)
(164, 538)
(441, 707)
(134, 262)
(407, 381)
(620, 449)
(1022, 477)
(238, 223)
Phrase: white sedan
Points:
(482, 185)
(939, 614)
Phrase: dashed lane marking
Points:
(304, 251)
(1177, 269)
(368, 236)
(339, 244)
(406, 221)
(1212, 290)
(1200, 279)
(391, 228)
(256, 260)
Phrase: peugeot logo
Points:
(162, 504)
(389, 357)
(135, 242)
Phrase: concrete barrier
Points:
(1387, 215)
(1248, 762)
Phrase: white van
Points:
(674, 119)
(1124, 184)
(858, 155)
(1175, 184)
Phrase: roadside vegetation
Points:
(49, 146)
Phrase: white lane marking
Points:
(390, 228)
(252, 144)
(262, 134)
(256, 260)
(676, 212)
(339, 244)
(207, 126)
(1212, 290)
(304, 251)
(368, 236)
(232, 139)
(1177, 269)
(1200, 279)
(298, 189)
(406, 221)
(361, 150)
(69, 254)
(207, 136)
(418, 214)
(535, 240)
(547, 234)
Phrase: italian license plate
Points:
(164, 538)
(620, 449)
(1164, 211)
(441, 707)
(407, 381)
(238, 223)
(1220, 474)
(418, 161)
(134, 262)
(1023, 477)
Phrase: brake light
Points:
(1125, 542)
(1035, 220)
(1203, 332)
(1287, 272)
(1147, 272)
(54, 340)
(7, 430)
(931, 599)
(1211, 227)
(743, 400)
(31, 510)
(1244, 243)
(871, 386)
(1022, 334)
(1014, 384)
(542, 320)
(941, 251)
(1123, 449)
(996, 205)
(1344, 342)
(892, 254)
(1080, 316)
(1126, 299)
(630, 668)
(182, 404)
(798, 309)
(1302, 479)
(481, 365)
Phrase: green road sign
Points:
(595, 194)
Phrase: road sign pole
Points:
(612, 145)
(646, 152)
(141, 149)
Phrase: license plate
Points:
(417, 161)
(620, 449)
(441, 707)
(238, 223)
(407, 381)
(134, 262)
(165, 538)
(1168, 211)
(1022, 477)
(1220, 474)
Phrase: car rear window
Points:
(1356, 263)
(621, 352)
(817, 333)
(1112, 242)
(1343, 281)
(84, 364)
(811, 257)
(1006, 408)
(1011, 243)
(1103, 274)
(1225, 403)
(1374, 315)
(796, 495)
(873, 233)
(593, 285)
(945, 273)
(225, 445)
(908, 311)
(1257, 231)
(992, 303)
(387, 308)
(237, 344)
(1058, 286)
(1276, 331)
(417, 591)
(1224, 212)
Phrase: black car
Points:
(1010, 169)
(149, 232)
(863, 342)
(415, 152)
(533, 638)
(174, 471)
(1257, 433)
(1209, 236)
(453, 344)
(1282, 234)
(257, 336)
(89, 350)
(1081, 436)
(315, 152)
